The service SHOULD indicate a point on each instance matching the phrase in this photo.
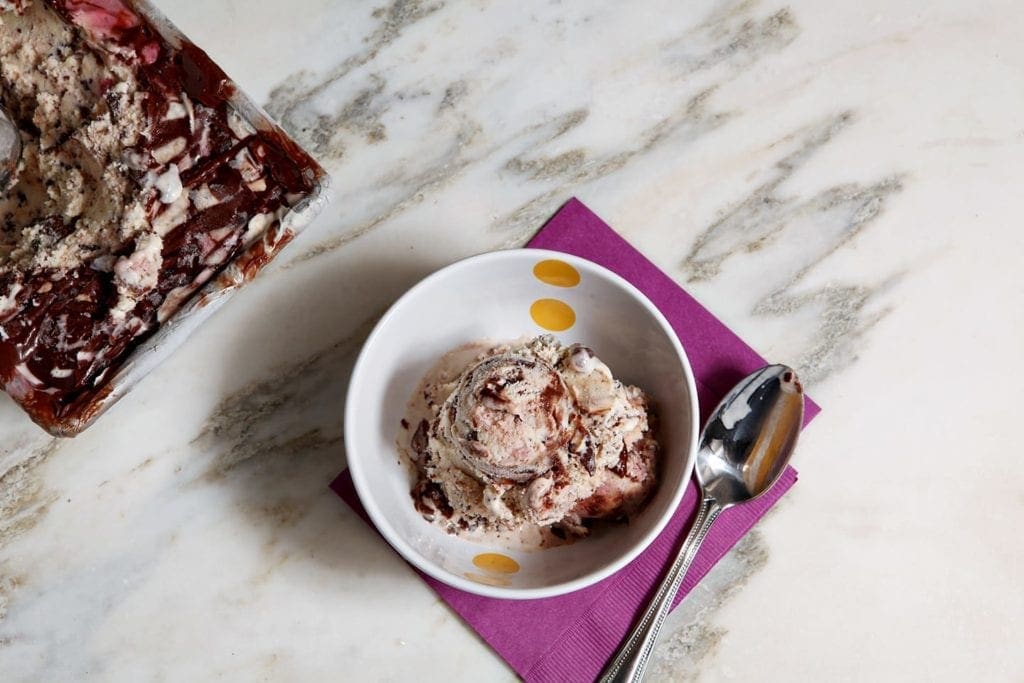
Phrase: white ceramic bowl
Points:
(490, 297)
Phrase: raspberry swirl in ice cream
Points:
(529, 440)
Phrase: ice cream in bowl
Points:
(521, 424)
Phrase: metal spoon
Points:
(744, 448)
(10, 149)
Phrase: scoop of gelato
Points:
(508, 418)
(528, 435)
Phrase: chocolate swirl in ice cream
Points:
(139, 183)
(528, 436)
(508, 418)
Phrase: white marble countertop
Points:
(840, 182)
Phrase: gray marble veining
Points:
(837, 182)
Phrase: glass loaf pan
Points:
(262, 246)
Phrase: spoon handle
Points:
(630, 661)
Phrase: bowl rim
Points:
(410, 554)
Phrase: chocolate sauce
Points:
(589, 460)
(429, 499)
(622, 466)
(420, 439)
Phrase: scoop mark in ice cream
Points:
(556, 273)
(530, 438)
(552, 314)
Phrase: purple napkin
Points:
(571, 637)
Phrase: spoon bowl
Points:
(750, 437)
(744, 448)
